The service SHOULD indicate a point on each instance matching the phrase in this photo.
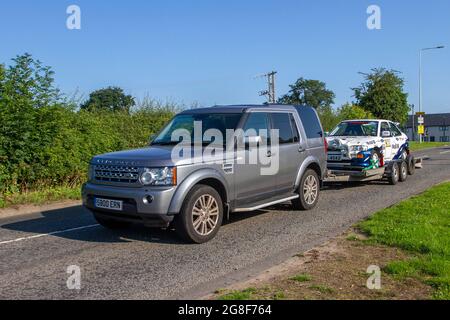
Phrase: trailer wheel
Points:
(411, 165)
(403, 173)
(394, 176)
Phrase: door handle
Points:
(301, 149)
(270, 154)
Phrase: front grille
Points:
(120, 174)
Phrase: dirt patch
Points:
(335, 270)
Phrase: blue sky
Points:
(209, 51)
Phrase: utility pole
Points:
(270, 93)
(413, 107)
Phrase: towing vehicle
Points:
(155, 187)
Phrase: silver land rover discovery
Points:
(208, 163)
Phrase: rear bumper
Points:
(136, 207)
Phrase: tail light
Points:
(326, 144)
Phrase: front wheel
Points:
(201, 215)
(309, 191)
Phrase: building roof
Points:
(432, 120)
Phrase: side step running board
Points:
(265, 205)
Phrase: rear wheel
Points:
(411, 165)
(110, 223)
(309, 191)
(403, 173)
(201, 215)
(394, 175)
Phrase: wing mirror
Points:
(386, 134)
(152, 137)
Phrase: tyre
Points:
(411, 165)
(403, 171)
(309, 191)
(201, 215)
(394, 176)
(109, 223)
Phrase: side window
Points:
(310, 122)
(395, 130)
(384, 127)
(282, 122)
(259, 122)
(294, 128)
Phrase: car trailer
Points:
(394, 171)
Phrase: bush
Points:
(45, 142)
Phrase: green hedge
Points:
(52, 145)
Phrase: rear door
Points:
(290, 154)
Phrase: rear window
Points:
(310, 122)
(282, 122)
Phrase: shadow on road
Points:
(59, 223)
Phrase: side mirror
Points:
(152, 137)
(326, 133)
(386, 134)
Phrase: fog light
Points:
(148, 199)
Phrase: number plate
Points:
(334, 157)
(108, 204)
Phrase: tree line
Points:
(47, 139)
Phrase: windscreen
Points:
(356, 129)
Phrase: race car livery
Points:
(366, 144)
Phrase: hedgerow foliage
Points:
(46, 140)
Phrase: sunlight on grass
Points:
(420, 225)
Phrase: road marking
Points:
(444, 152)
(48, 234)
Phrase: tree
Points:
(26, 87)
(109, 99)
(309, 92)
(382, 94)
(352, 112)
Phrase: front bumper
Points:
(136, 207)
(354, 163)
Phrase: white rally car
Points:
(366, 144)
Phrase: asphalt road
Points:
(36, 249)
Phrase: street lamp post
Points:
(420, 78)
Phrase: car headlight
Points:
(159, 176)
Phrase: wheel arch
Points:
(208, 177)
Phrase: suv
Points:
(366, 144)
(189, 178)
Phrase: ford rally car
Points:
(366, 144)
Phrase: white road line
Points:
(48, 234)
(444, 152)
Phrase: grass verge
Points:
(41, 197)
(421, 226)
(416, 146)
